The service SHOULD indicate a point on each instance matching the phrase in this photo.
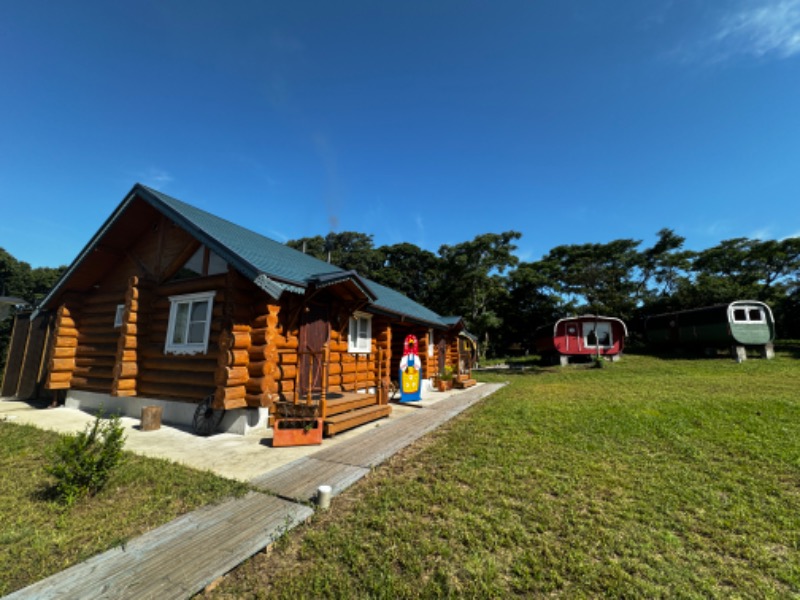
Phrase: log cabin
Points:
(169, 305)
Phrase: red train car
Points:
(584, 336)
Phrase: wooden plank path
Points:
(181, 558)
(178, 559)
(342, 465)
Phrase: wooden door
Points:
(314, 335)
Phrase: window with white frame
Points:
(359, 338)
(189, 323)
(597, 334)
(119, 315)
(749, 314)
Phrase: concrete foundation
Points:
(239, 421)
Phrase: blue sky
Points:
(426, 122)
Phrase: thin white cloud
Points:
(761, 29)
(761, 234)
(769, 28)
(156, 178)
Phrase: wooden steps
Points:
(343, 410)
(347, 420)
(336, 406)
(463, 382)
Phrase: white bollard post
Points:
(324, 497)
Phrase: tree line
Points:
(19, 280)
(503, 300)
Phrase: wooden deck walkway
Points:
(181, 558)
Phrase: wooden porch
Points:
(339, 411)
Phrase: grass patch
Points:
(40, 537)
(648, 478)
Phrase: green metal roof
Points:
(270, 265)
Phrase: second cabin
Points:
(584, 336)
(739, 325)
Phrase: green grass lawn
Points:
(38, 537)
(647, 478)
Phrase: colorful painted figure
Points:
(410, 367)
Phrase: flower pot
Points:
(445, 385)
(296, 432)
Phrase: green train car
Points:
(739, 325)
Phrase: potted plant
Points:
(445, 379)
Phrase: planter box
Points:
(296, 432)
(444, 386)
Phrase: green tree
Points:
(411, 270)
(472, 283)
(349, 250)
(599, 277)
(531, 302)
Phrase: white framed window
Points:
(189, 323)
(598, 334)
(749, 314)
(119, 315)
(359, 337)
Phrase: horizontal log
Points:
(177, 378)
(127, 356)
(108, 338)
(260, 400)
(258, 352)
(286, 372)
(123, 393)
(126, 370)
(65, 352)
(62, 364)
(260, 336)
(231, 376)
(95, 320)
(96, 349)
(106, 328)
(66, 322)
(261, 368)
(93, 372)
(259, 385)
(91, 385)
(234, 358)
(59, 377)
(174, 363)
(106, 297)
(189, 286)
(69, 332)
(194, 393)
(241, 328)
(128, 342)
(107, 310)
(124, 385)
(234, 340)
(287, 358)
(283, 343)
(96, 361)
(266, 320)
(227, 395)
(286, 385)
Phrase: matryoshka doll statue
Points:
(410, 368)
